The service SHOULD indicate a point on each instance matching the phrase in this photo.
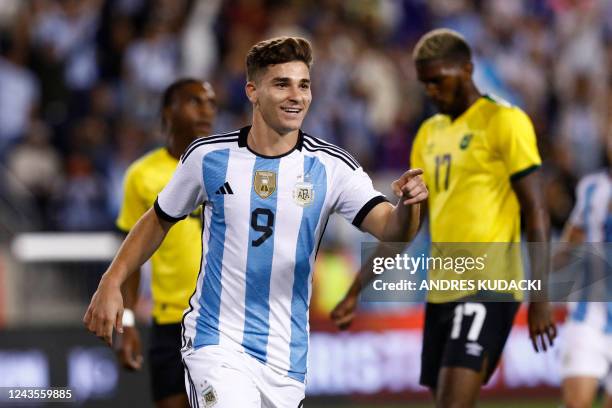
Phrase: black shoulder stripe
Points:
(331, 153)
(346, 156)
(200, 140)
(316, 141)
(211, 137)
(333, 146)
(206, 141)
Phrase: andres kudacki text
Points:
(459, 285)
(458, 265)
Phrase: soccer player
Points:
(586, 353)
(480, 162)
(267, 191)
(188, 110)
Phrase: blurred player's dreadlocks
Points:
(442, 44)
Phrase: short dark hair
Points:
(171, 90)
(442, 43)
(277, 51)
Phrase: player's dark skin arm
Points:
(528, 190)
(459, 386)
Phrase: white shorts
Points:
(221, 378)
(586, 352)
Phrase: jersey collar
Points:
(242, 142)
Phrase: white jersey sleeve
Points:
(356, 194)
(577, 216)
(185, 191)
(591, 211)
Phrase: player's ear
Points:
(251, 91)
(165, 117)
(468, 68)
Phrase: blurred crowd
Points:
(80, 82)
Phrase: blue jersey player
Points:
(586, 354)
(267, 191)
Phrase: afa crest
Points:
(264, 183)
(303, 193)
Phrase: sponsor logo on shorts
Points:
(473, 349)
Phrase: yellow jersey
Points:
(176, 263)
(468, 165)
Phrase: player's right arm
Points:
(136, 201)
(105, 310)
(516, 144)
(180, 197)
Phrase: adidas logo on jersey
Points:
(225, 189)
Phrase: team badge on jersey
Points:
(264, 183)
(465, 142)
(303, 192)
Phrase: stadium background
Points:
(80, 82)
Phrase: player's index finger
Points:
(413, 173)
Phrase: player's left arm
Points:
(516, 143)
(528, 190)
(388, 223)
(399, 223)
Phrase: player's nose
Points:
(431, 90)
(207, 109)
(294, 93)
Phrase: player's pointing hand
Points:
(411, 187)
(105, 311)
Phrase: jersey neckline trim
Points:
(242, 142)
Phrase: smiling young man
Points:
(267, 191)
(480, 162)
(188, 110)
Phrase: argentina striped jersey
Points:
(593, 215)
(263, 220)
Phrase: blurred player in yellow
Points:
(188, 111)
(480, 161)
